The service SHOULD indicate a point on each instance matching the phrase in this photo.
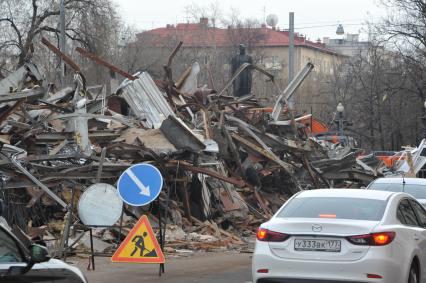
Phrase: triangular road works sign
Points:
(140, 246)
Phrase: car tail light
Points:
(374, 239)
(266, 235)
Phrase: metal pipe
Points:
(62, 39)
(64, 242)
(290, 90)
(239, 71)
(35, 180)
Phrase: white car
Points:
(343, 235)
(412, 186)
(19, 264)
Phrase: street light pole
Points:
(291, 48)
(340, 108)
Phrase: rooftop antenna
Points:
(187, 15)
(264, 14)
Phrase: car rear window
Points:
(334, 207)
(417, 191)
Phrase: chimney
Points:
(204, 21)
(326, 40)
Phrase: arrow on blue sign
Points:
(140, 184)
(144, 189)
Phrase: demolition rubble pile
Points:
(227, 164)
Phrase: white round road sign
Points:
(100, 205)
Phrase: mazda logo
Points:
(316, 228)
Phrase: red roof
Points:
(197, 35)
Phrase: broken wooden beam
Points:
(187, 166)
(62, 55)
(262, 151)
(104, 63)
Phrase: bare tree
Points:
(406, 23)
(23, 21)
(373, 86)
(211, 11)
(405, 29)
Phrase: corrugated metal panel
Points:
(147, 101)
(206, 196)
(14, 79)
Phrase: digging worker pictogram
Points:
(140, 245)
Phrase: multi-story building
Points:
(213, 48)
(350, 45)
(268, 45)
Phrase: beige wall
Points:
(324, 62)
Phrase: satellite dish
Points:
(100, 205)
(272, 20)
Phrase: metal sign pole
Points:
(91, 251)
(166, 214)
(161, 270)
(121, 225)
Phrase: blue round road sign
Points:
(140, 184)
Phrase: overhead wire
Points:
(333, 25)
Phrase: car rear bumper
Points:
(294, 280)
(300, 271)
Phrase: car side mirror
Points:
(38, 254)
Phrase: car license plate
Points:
(320, 245)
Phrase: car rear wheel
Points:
(414, 277)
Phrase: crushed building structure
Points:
(228, 163)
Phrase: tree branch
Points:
(15, 28)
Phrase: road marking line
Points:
(144, 190)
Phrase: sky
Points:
(313, 18)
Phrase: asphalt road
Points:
(200, 268)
